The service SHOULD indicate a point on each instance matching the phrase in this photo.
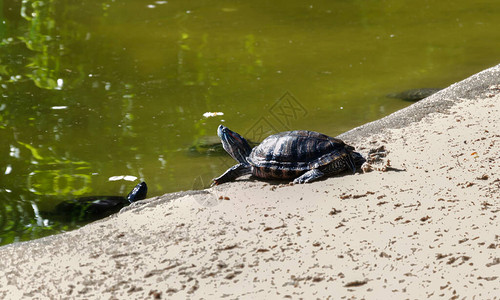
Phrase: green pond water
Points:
(95, 91)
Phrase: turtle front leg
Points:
(309, 176)
(232, 173)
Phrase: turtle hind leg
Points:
(233, 173)
(309, 176)
(349, 161)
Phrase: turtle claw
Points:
(309, 176)
(299, 181)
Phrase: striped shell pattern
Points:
(291, 153)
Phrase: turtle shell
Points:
(289, 154)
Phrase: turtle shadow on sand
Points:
(281, 182)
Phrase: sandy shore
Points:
(428, 227)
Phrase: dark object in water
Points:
(93, 208)
(414, 94)
(210, 146)
(301, 155)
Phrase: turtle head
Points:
(138, 193)
(234, 144)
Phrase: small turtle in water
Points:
(210, 146)
(301, 155)
(414, 94)
(97, 207)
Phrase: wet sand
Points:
(424, 223)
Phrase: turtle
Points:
(97, 207)
(414, 94)
(301, 155)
